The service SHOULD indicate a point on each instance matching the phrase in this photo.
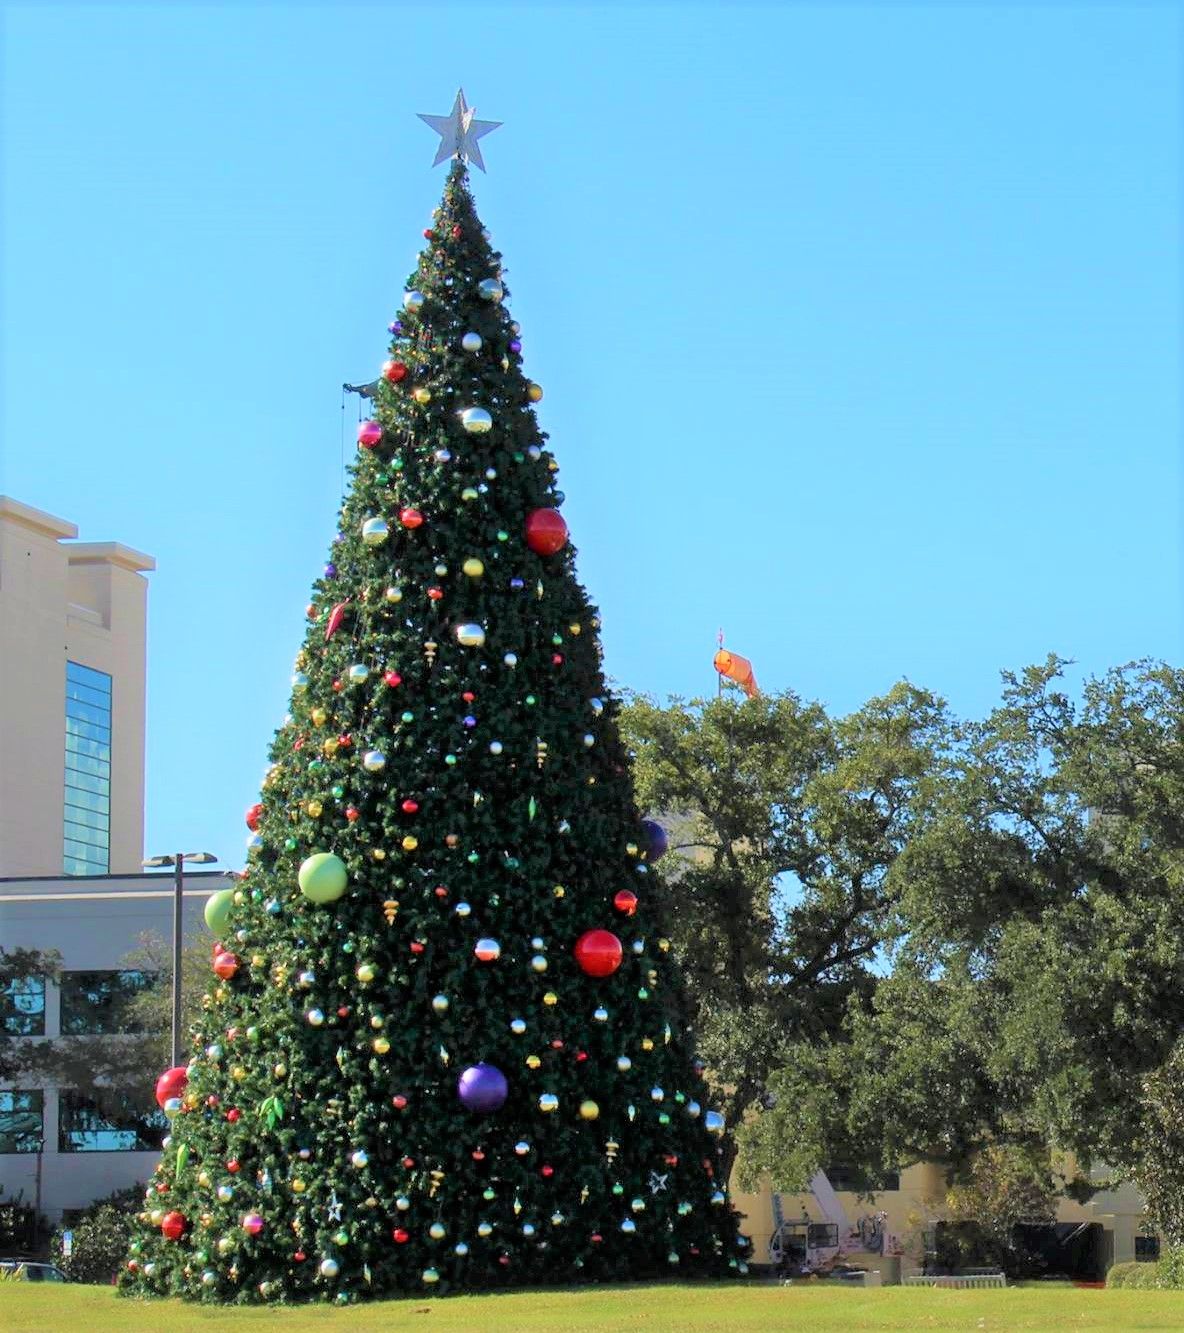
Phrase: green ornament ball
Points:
(218, 907)
(322, 877)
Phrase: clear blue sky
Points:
(860, 327)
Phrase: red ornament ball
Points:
(399, 1102)
(233, 1166)
(253, 815)
(400, 1236)
(598, 952)
(435, 594)
(625, 902)
(410, 806)
(234, 1115)
(392, 678)
(369, 435)
(456, 232)
(172, 1226)
(225, 966)
(410, 518)
(427, 231)
(171, 1084)
(394, 371)
(352, 812)
(546, 531)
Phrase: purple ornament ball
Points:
(482, 1088)
(515, 346)
(330, 570)
(655, 839)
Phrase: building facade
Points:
(58, 1150)
(72, 671)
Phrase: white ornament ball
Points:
(471, 342)
(330, 1268)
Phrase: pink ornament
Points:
(252, 1224)
(369, 435)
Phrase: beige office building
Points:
(72, 658)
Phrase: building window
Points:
(116, 1126)
(22, 1007)
(1146, 1249)
(21, 1123)
(86, 826)
(846, 1179)
(95, 1004)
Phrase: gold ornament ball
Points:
(257, 960)
(550, 998)
(203, 1179)
(280, 1070)
(238, 1073)
(298, 1186)
(559, 890)
(589, 1110)
(366, 972)
(378, 854)
(647, 1043)
(533, 1062)
(664, 945)
(381, 1045)
(394, 594)
(330, 746)
(535, 393)
(410, 843)
(422, 395)
(319, 717)
(315, 809)
(473, 567)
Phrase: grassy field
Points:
(25, 1308)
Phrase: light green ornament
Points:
(218, 907)
(322, 878)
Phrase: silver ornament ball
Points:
(471, 342)
(476, 420)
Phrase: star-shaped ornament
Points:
(657, 1183)
(334, 1207)
(459, 132)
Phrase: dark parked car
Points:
(25, 1270)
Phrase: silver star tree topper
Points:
(459, 132)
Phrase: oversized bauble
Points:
(413, 302)
(252, 1223)
(374, 761)
(369, 434)
(172, 1107)
(470, 635)
(322, 877)
(482, 1089)
(489, 289)
(598, 952)
(471, 342)
(546, 531)
(225, 966)
(487, 950)
(476, 420)
(217, 911)
(254, 813)
(172, 1226)
(655, 840)
(625, 901)
(394, 371)
(171, 1084)
(375, 531)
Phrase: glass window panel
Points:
(83, 763)
(21, 1120)
(78, 814)
(88, 782)
(84, 1126)
(96, 1003)
(22, 1007)
(93, 859)
(84, 675)
(75, 726)
(86, 745)
(88, 837)
(99, 717)
(75, 865)
(86, 800)
(99, 699)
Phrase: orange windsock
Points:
(735, 668)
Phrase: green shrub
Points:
(1169, 1271)
(100, 1238)
(1120, 1275)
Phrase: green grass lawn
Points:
(25, 1308)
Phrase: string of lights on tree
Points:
(443, 1046)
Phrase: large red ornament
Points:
(394, 371)
(369, 434)
(225, 966)
(253, 815)
(171, 1084)
(546, 532)
(172, 1226)
(410, 518)
(598, 953)
(336, 616)
(625, 901)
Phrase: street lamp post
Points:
(177, 860)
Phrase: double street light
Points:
(178, 860)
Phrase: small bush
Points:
(1120, 1274)
(101, 1238)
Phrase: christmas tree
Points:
(443, 1046)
